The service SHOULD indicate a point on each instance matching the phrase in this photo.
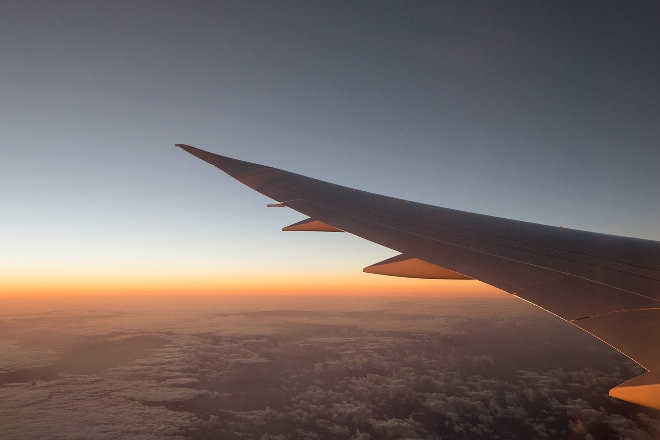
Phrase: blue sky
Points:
(546, 112)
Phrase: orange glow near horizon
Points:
(358, 284)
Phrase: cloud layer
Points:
(401, 370)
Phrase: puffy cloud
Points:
(395, 428)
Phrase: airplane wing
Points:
(607, 285)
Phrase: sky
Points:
(539, 111)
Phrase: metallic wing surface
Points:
(607, 285)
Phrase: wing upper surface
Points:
(607, 285)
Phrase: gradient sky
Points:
(541, 111)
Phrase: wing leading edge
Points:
(607, 285)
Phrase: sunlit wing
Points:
(607, 285)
